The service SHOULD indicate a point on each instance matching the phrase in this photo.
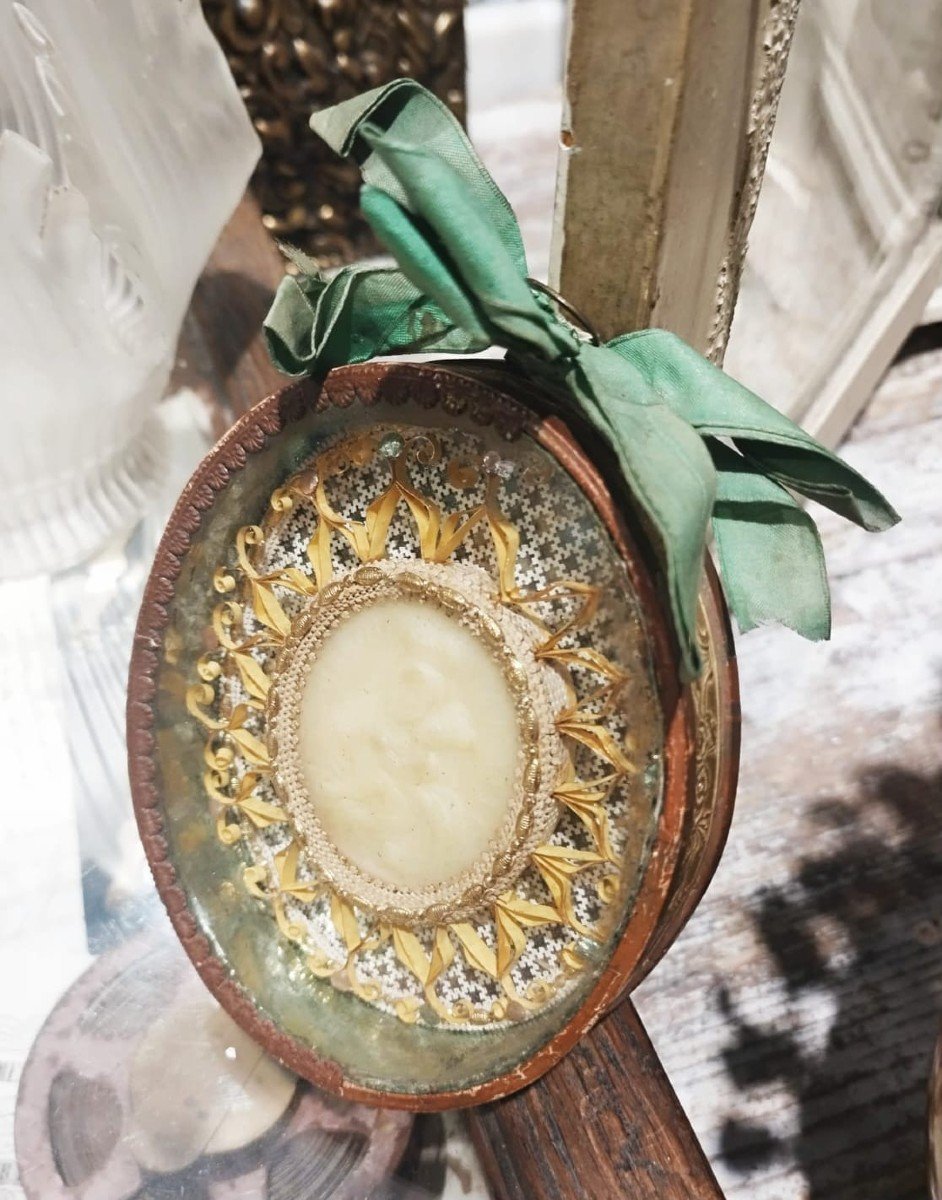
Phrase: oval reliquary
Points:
(419, 786)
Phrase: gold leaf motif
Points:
(228, 834)
(225, 617)
(407, 1008)
(261, 813)
(427, 516)
(539, 993)
(443, 955)
(370, 992)
(295, 580)
(454, 530)
(587, 801)
(345, 922)
(511, 940)
(254, 679)
(506, 539)
(294, 930)
(254, 878)
(286, 864)
(410, 953)
(322, 965)
(573, 960)
(557, 866)
(208, 668)
(318, 555)
(584, 728)
(198, 694)
(586, 657)
(476, 950)
(376, 522)
(254, 750)
(461, 475)
(595, 819)
(268, 609)
(578, 859)
(281, 501)
(527, 912)
(218, 757)
(248, 535)
(223, 581)
(564, 589)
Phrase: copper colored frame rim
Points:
(681, 907)
(345, 386)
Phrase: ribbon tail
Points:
(813, 471)
(670, 477)
(718, 406)
(667, 479)
(770, 551)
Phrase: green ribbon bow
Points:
(692, 444)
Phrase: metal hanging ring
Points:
(569, 310)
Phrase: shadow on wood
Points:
(861, 927)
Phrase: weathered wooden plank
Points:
(898, 295)
(667, 119)
(602, 1124)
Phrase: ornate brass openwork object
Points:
(293, 57)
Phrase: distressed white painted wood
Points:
(843, 254)
(667, 117)
(901, 292)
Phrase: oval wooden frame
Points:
(661, 907)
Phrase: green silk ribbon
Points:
(692, 444)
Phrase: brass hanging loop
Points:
(569, 310)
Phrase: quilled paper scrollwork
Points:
(479, 957)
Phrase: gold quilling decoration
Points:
(452, 959)
(503, 938)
